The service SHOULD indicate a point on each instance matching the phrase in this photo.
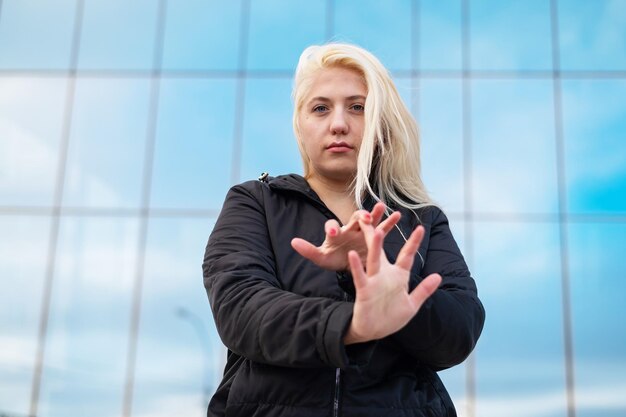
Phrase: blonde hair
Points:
(388, 165)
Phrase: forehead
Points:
(337, 81)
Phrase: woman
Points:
(305, 337)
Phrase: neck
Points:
(337, 195)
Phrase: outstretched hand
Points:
(332, 254)
(383, 303)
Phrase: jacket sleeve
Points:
(446, 328)
(254, 317)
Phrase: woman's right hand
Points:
(332, 254)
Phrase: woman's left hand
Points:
(332, 254)
(383, 303)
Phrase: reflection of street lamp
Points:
(201, 331)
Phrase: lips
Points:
(339, 147)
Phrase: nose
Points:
(339, 124)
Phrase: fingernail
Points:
(332, 232)
(367, 216)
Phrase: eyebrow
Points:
(326, 99)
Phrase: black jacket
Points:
(283, 318)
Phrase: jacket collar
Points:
(296, 183)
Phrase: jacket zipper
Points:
(337, 392)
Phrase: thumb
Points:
(425, 289)
(306, 249)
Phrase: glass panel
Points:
(440, 35)
(108, 25)
(442, 141)
(280, 30)
(180, 357)
(383, 30)
(31, 119)
(107, 143)
(594, 118)
(202, 34)
(87, 343)
(513, 147)
(23, 256)
(510, 35)
(597, 266)
(592, 35)
(193, 153)
(269, 143)
(36, 34)
(520, 364)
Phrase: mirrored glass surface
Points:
(107, 25)
(520, 355)
(194, 143)
(510, 35)
(23, 255)
(598, 289)
(269, 144)
(180, 357)
(594, 122)
(202, 35)
(107, 143)
(36, 34)
(31, 123)
(374, 25)
(513, 147)
(440, 35)
(89, 318)
(592, 35)
(440, 122)
(280, 30)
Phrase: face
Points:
(331, 123)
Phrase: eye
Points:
(358, 108)
(320, 108)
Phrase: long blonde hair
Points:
(388, 165)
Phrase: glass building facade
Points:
(123, 124)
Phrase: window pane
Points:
(442, 141)
(194, 144)
(592, 35)
(594, 118)
(23, 256)
(31, 119)
(440, 35)
(597, 266)
(109, 25)
(202, 34)
(180, 357)
(86, 349)
(513, 147)
(512, 35)
(520, 364)
(107, 143)
(269, 143)
(374, 25)
(280, 30)
(36, 34)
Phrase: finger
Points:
(306, 249)
(356, 268)
(377, 213)
(407, 253)
(357, 216)
(389, 223)
(374, 251)
(425, 289)
(332, 229)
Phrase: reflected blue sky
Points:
(194, 143)
(223, 114)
